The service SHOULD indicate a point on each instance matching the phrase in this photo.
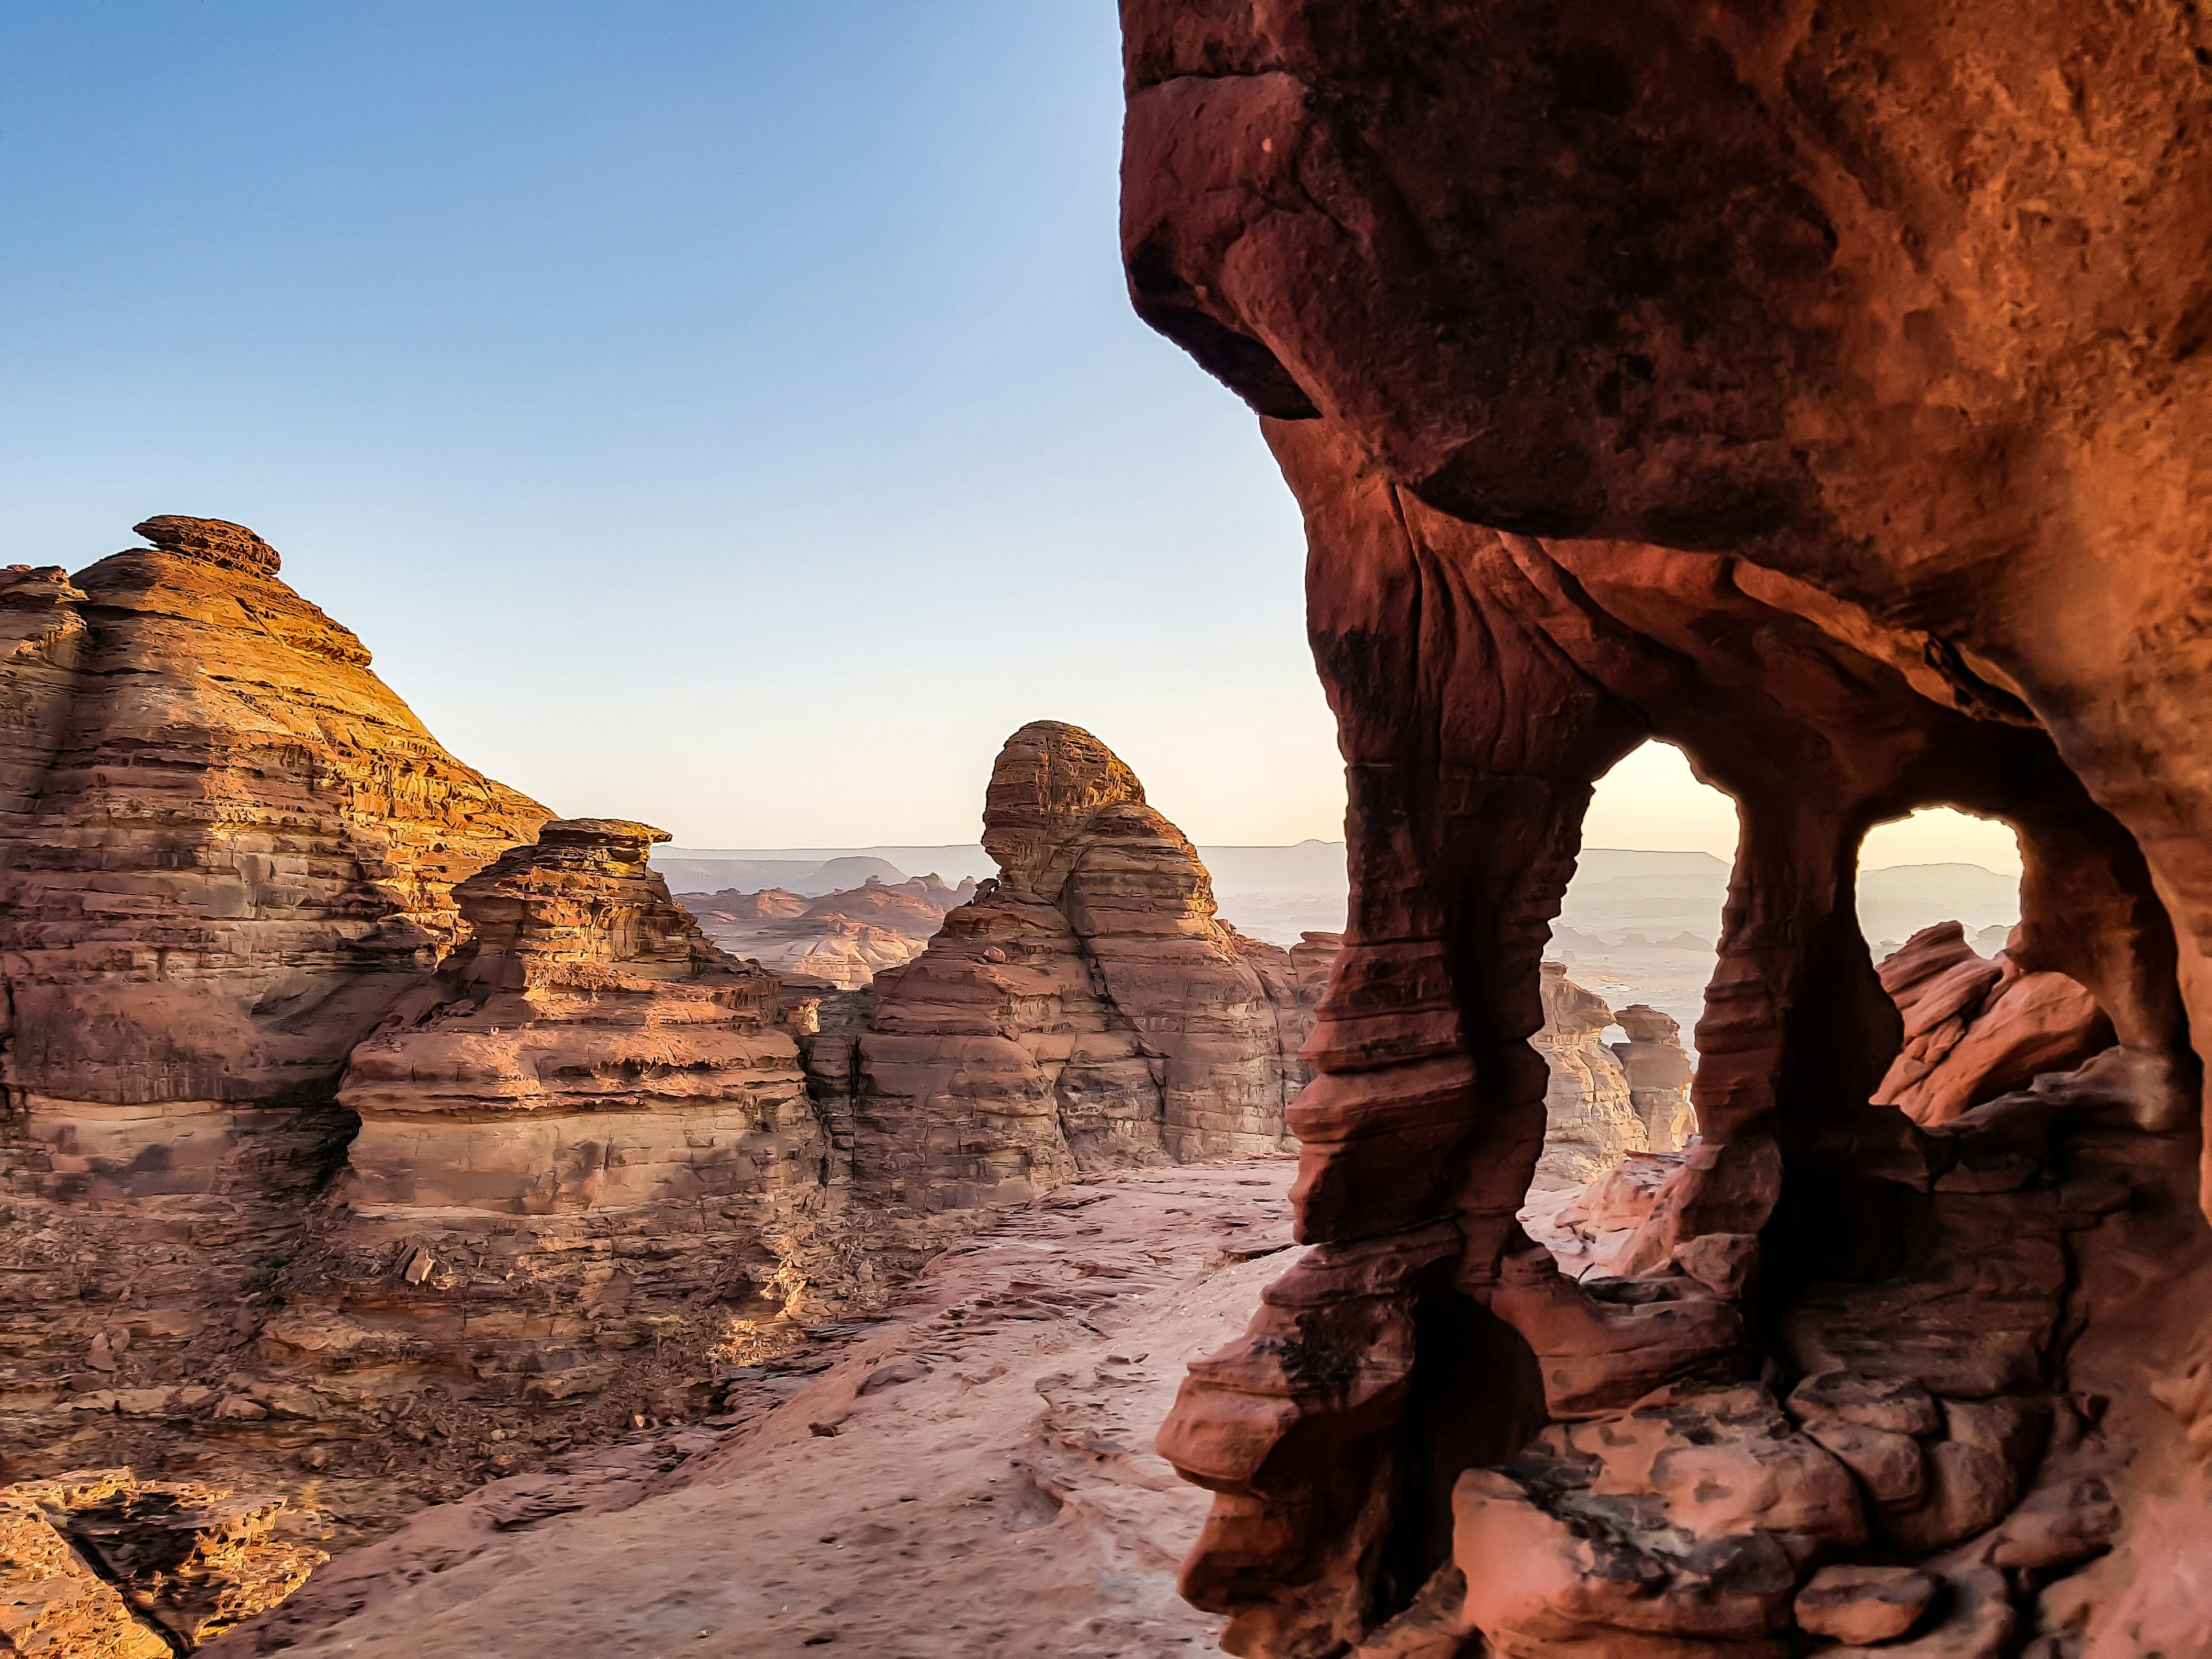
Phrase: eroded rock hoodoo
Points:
(1675, 371)
(600, 1143)
(1085, 1009)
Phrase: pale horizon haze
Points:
(728, 415)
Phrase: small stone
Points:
(1864, 1604)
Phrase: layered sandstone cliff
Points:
(1086, 1009)
(1590, 1121)
(227, 855)
(1740, 378)
(230, 848)
(599, 1144)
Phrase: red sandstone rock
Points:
(599, 1077)
(1673, 372)
(226, 854)
(1864, 1604)
(1975, 1028)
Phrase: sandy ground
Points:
(972, 1476)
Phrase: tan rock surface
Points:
(600, 1145)
(97, 1565)
(973, 1478)
(1660, 1073)
(1590, 1120)
(227, 852)
(1086, 1009)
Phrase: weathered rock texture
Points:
(600, 1146)
(970, 1477)
(227, 850)
(1822, 390)
(227, 855)
(1975, 1028)
(1596, 1112)
(97, 1565)
(1659, 1074)
(1086, 1010)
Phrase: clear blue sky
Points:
(725, 414)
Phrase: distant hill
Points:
(1622, 899)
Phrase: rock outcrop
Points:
(599, 1151)
(1590, 1121)
(227, 855)
(228, 848)
(1660, 1072)
(1822, 391)
(98, 1564)
(1975, 1028)
(1086, 1010)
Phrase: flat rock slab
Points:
(987, 1487)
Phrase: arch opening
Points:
(1632, 952)
(1936, 865)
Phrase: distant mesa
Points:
(839, 941)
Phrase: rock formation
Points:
(1659, 1075)
(1822, 391)
(227, 855)
(840, 941)
(600, 1143)
(362, 1123)
(1975, 1028)
(228, 848)
(1086, 1009)
(1590, 1121)
(97, 1565)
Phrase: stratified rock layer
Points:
(1975, 1028)
(1822, 390)
(600, 1143)
(237, 853)
(1590, 1120)
(1086, 1009)
(227, 855)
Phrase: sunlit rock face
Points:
(228, 853)
(226, 849)
(604, 1105)
(1743, 379)
(1086, 1009)
(1605, 1101)
(1975, 1028)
